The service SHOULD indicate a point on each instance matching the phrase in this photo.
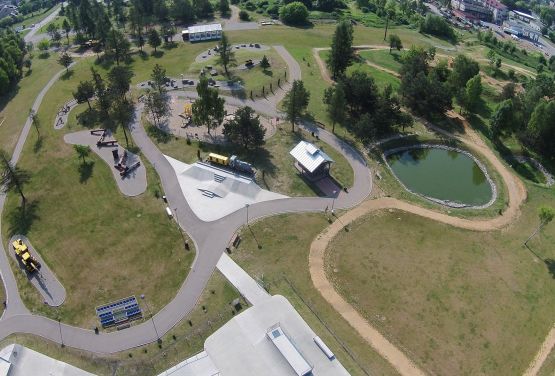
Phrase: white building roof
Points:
(309, 156)
(289, 351)
(204, 28)
(242, 348)
(525, 15)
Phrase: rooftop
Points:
(204, 28)
(525, 15)
(309, 156)
(243, 347)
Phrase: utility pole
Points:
(143, 297)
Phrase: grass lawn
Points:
(461, 302)
(183, 341)
(548, 368)
(57, 21)
(381, 78)
(384, 58)
(254, 78)
(280, 175)
(101, 245)
(282, 264)
(15, 106)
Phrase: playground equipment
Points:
(187, 114)
(234, 162)
(23, 254)
(122, 167)
(102, 140)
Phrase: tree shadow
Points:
(44, 55)
(157, 54)
(550, 263)
(37, 146)
(268, 73)
(88, 118)
(158, 135)
(170, 45)
(21, 218)
(67, 75)
(85, 171)
(143, 55)
(28, 73)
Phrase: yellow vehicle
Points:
(218, 159)
(23, 254)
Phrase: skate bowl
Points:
(212, 192)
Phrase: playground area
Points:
(180, 123)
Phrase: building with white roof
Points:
(313, 162)
(202, 32)
(523, 25)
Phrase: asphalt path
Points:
(17, 319)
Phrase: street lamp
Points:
(333, 201)
(247, 206)
(152, 318)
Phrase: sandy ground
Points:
(175, 124)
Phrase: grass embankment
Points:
(461, 302)
(282, 265)
(101, 245)
(280, 174)
(15, 106)
(252, 79)
(183, 341)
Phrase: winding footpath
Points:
(17, 319)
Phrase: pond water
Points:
(441, 174)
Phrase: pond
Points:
(442, 175)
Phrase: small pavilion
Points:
(312, 162)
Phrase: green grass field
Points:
(183, 341)
(101, 245)
(461, 302)
(383, 58)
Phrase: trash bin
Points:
(115, 154)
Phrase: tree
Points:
(491, 55)
(295, 13)
(296, 102)
(545, 215)
(395, 42)
(182, 10)
(158, 78)
(120, 80)
(334, 98)
(341, 53)
(12, 178)
(82, 151)
(154, 39)
(121, 113)
(84, 93)
(35, 121)
(158, 105)
(43, 45)
(473, 91)
(224, 7)
(51, 29)
(245, 129)
(67, 28)
(502, 118)
(244, 15)
(541, 127)
(226, 56)
(264, 63)
(208, 109)
(117, 45)
(464, 68)
(65, 60)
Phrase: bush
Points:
(244, 16)
(295, 13)
(249, 5)
(437, 26)
(234, 2)
(273, 11)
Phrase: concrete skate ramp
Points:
(213, 193)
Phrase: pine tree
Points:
(341, 53)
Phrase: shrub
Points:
(273, 10)
(249, 5)
(244, 16)
(295, 13)
(437, 26)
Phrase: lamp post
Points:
(247, 206)
(333, 201)
(152, 318)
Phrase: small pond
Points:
(443, 175)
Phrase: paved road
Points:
(31, 37)
(17, 319)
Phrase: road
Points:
(31, 37)
(17, 319)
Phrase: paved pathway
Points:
(45, 281)
(243, 282)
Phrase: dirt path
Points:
(516, 193)
(542, 354)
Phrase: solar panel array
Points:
(119, 312)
